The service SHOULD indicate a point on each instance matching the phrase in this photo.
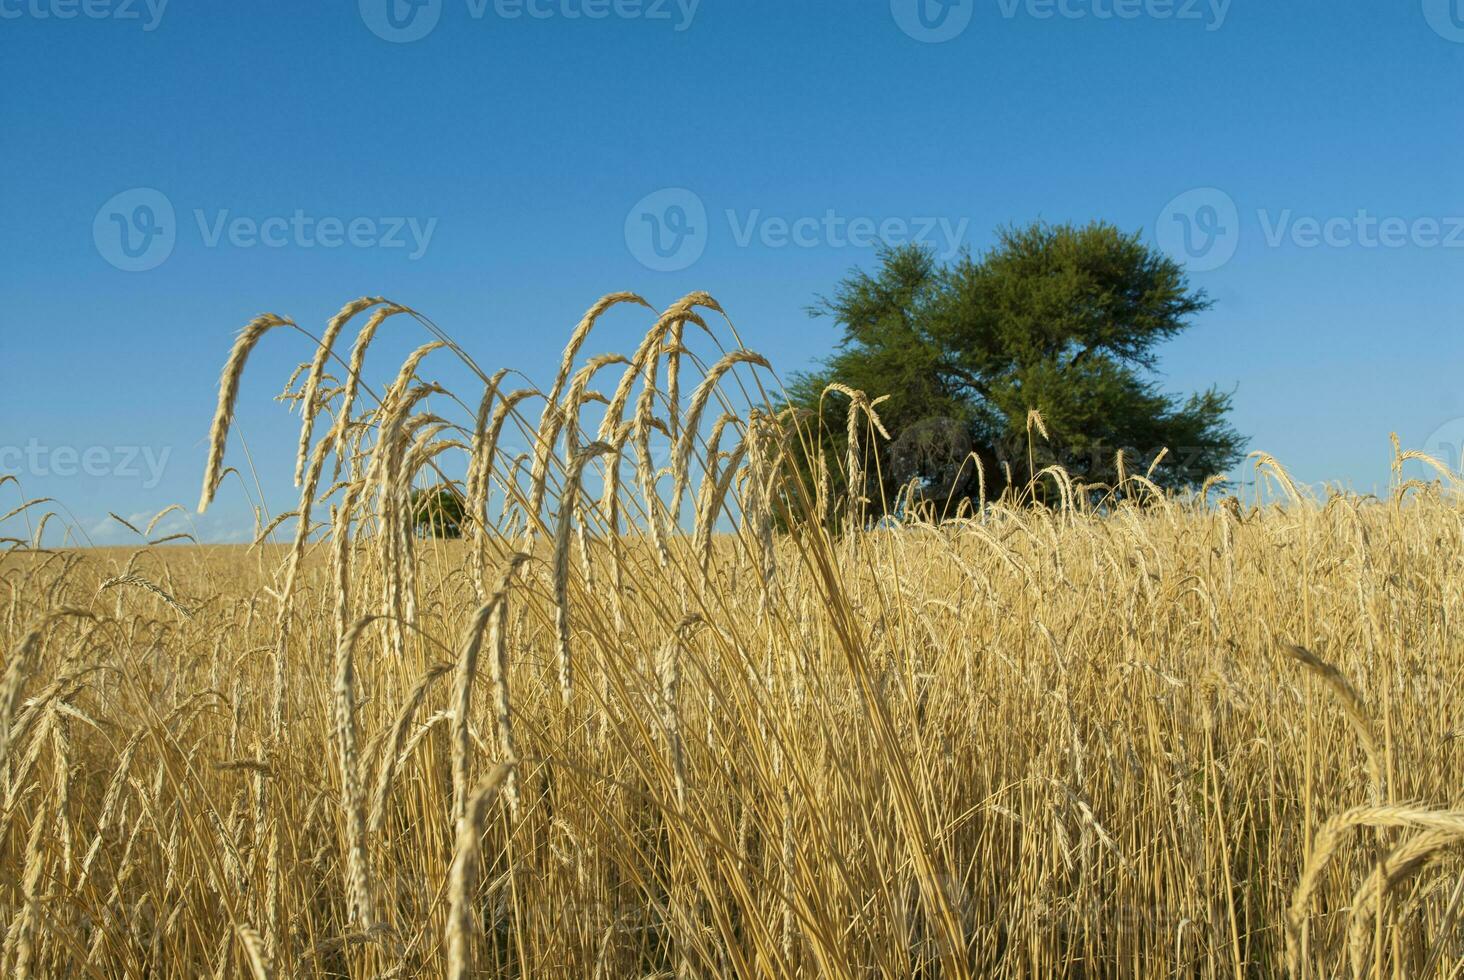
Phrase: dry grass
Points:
(722, 731)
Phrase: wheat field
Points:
(670, 709)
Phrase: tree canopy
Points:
(1061, 319)
(438, 512)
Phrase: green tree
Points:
(438, 512)
(1059, 319)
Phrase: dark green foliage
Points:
(1061, 319)
(438, 512)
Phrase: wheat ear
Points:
(254, 952)
(1402, 862)
(681, 464)
(352, 798)
(561, 562)
(462, 924)
(1351, 704)
(317, 369)
(1328, 843)
(391, 748)
(218, 433)
(467, 672)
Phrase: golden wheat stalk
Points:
(21, 936)
(218, 434)
(563, 418)
(317, 370)
(577, 339)
(358, 867)
(255, 954)
(1352, 708)
(498, 669)
(464, 678)
(339, 432)
(683, 310)
(1402, 862)
(561, 564)
(462, 923)
(482, 468)
(1329, 842)
(391, 748)
(681, 465)
(668, 669)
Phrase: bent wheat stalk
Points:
(467, 672)
(462, 924)
(561, 564)
(218, 435)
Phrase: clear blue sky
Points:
(523, 138)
